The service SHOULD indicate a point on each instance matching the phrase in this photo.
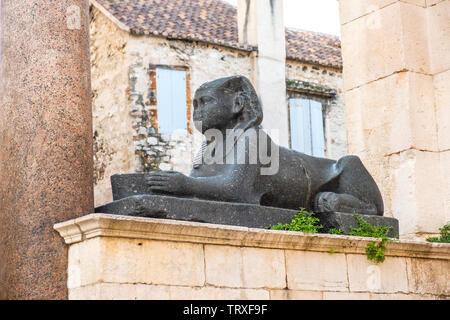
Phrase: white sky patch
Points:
(312, 15)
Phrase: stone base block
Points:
(227, 213)
(345, 221)
(119, 257)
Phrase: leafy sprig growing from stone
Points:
(444, 237)
(374, 251)
(304, 221)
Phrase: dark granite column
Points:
(46, 161)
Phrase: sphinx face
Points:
(212, 109)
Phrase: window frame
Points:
(324, 103)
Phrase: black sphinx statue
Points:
(241, 177)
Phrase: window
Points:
(171, 99)
(306, 124)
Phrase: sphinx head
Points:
(227, 103)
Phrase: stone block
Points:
(433, 2)
(430, 193)
(402, 191)
(85, 263)
(367, 276)
(316, 271)
(416, 200)
(441, 84)
(295, 295)
(83, 293)
(422, 113)
(331, 295)
(213, 293)
(352, 9)
(400, 296)
(172, 267)
(429, 276)
(134, 261)
(116, 291)
(223, 266)
(226, 213)
(438, 34)
(345, 221)
(152, 292)
(263, 268)
(395, 120)
(104, 291)
(244, 267)
(445, 180)
(421, 3)
(356, 141)
(383, 42)
(119, 259)
(176, 263)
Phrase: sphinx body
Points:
(323, 185)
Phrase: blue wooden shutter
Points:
(306, 122)
(171, 99)
(300, 125)
(317, 137)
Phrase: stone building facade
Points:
(129, 54)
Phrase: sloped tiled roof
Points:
(214, 21)
(317, 48)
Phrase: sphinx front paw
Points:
(326, 202)
(168, 181)
(334, 202)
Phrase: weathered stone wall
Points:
(114, 257)
(202, 63)
(113, 135)
(334, 116)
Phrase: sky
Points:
(313, 15)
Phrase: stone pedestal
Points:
(46, 141)
(234, 214)
(117, 257)
(397, 83)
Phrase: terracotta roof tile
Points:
(313, 47)
(214, 21)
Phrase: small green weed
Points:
(304, 221)
(445, 235)
(335, 231)
(374, 251)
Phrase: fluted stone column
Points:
(46, 161)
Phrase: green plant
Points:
(374, 251)
(445, 235)
(290, 83)
(304, 221)
(365, 229)
(335, 231)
